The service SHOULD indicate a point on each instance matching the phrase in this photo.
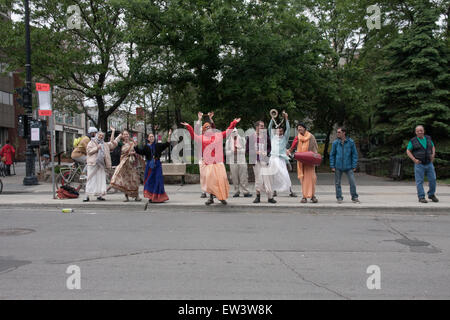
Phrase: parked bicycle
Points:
(74, 176)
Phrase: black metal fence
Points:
(398, 168)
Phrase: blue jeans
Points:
(419, 172)
(351, 181)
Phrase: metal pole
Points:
(168, 128)
(30, 178)
(52, 152)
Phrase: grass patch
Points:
(444, 181)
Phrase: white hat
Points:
(92, 130)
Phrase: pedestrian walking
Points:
(126, 177)
(421, 151)
(344, 159)
(98, 161)
(7, 154)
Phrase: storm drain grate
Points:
(15, 232)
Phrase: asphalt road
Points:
(222, 255)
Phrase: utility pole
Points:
(30, 178)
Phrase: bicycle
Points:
(74, 176)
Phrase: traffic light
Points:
(24, 98)
(23, 125)
(27, 99)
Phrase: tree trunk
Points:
(326, 156)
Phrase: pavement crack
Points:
(299, 275)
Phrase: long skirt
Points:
(96, 181)
(202, 176)
(308, 181)
(154, 183)
(126, 178)
(216, 180)
(281, 182)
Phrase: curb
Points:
(233, 208)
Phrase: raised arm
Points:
(294, 144)
(270, 127)
(197, 138)
(287, 133)
(232, 125)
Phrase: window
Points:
(78, 120)
(6, 98)
(58, 117)
(69, 119)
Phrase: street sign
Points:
(45, 99)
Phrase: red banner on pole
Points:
(42, 87)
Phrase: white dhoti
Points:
(96, 181)
(263, 181)
(281, 182)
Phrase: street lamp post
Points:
(30, 178)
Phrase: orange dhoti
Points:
(216, 180)
(307, 173)
(308, 181)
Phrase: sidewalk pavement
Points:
(380, 195)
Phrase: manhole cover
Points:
(15, 232)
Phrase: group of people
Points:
(95, 152)
(271, 160)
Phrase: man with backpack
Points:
(79, 154)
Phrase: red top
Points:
(8, 152)
(206, 140)
(294, 144)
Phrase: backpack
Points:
(77, 141)
(67, 192)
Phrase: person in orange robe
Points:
(305, 141)
(212, 167)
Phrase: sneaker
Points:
(210, 201)
(433, 198)
(86, 199)
(101, 199)
(292, 195)
(203, 195)
(314, 199)
(304, 200)
(236, 195)
(247, 195)
(340, 201)
(423, 200)
(272, 200)
(356, 200)
(224, 202)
